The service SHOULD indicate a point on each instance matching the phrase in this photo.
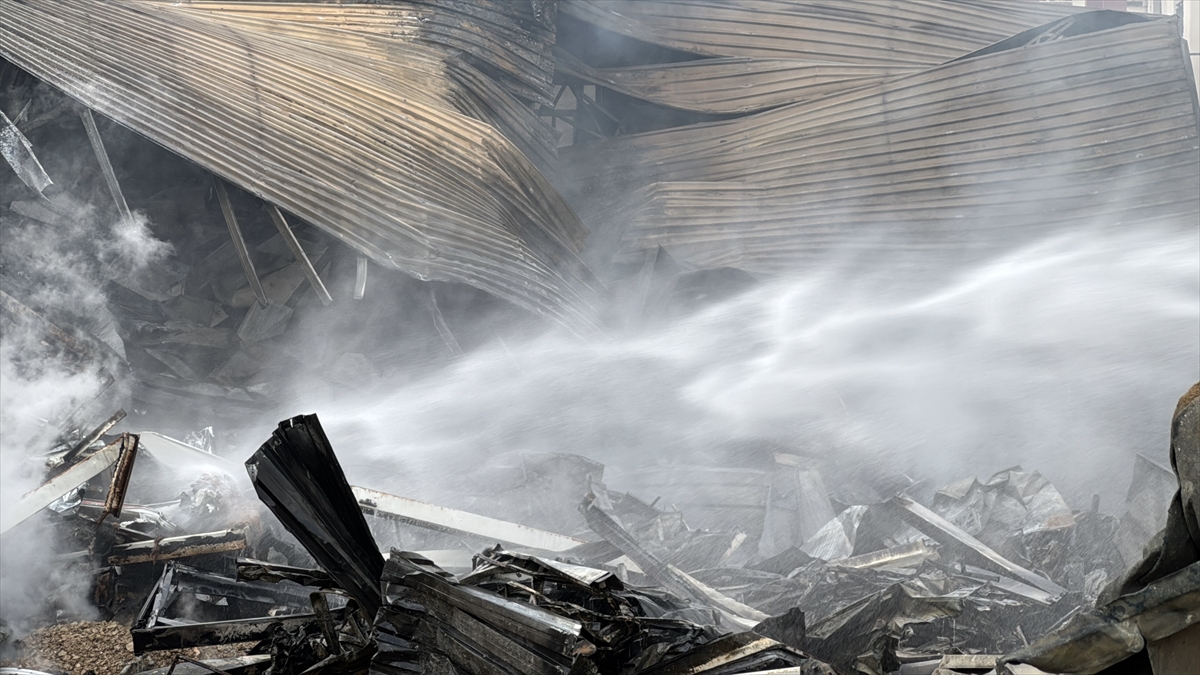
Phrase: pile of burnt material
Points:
(922, 581)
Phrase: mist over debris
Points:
(1065, 356)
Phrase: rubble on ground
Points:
(951, 580)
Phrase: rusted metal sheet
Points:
(388, 159)
(1091, 120)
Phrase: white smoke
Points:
(61, 268)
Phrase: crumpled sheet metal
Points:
(1093, 641)
(768, 54)
(357, 134)
(868, 31)
(957, 158)
(298, 477)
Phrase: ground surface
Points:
(103, 647)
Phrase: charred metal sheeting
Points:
(476, 630)
(393, 161)
(258, 570)
(951, 536)
(44, 495)
(186, 635)
(298, 477)
(742, 653)
(920, 32)
(252, 664)
(666, 575)
(445, 519)
(121, 474)
(1093, 641)
(498, 561)
(154, 629)
(15, 149)
(172, 548)
(766, 192)
(875, 623)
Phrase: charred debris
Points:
(996, 575)
(270, 176)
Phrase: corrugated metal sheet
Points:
(409, 23)
(915, 32)
(734, 84)
(360, 135)
(1054, 127)
(513, 37)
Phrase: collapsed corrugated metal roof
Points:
(365, 133)
(1091, 119)
(778, 51)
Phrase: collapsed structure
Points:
(560, 156)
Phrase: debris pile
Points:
(964, 575)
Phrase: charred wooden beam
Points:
(121, 473)
(251, 664)
(173, 548)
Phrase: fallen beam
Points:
(115, 500)
(252, 664)
(667, 576)
(239, 242)
(218, 632)
(953, 537)
(258, 570)
(110, 176)
(44, 495)
(444, 519)
(360, 277)
(293, 244)
(87, 441)
(173, 548)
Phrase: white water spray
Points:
(1065, 356)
